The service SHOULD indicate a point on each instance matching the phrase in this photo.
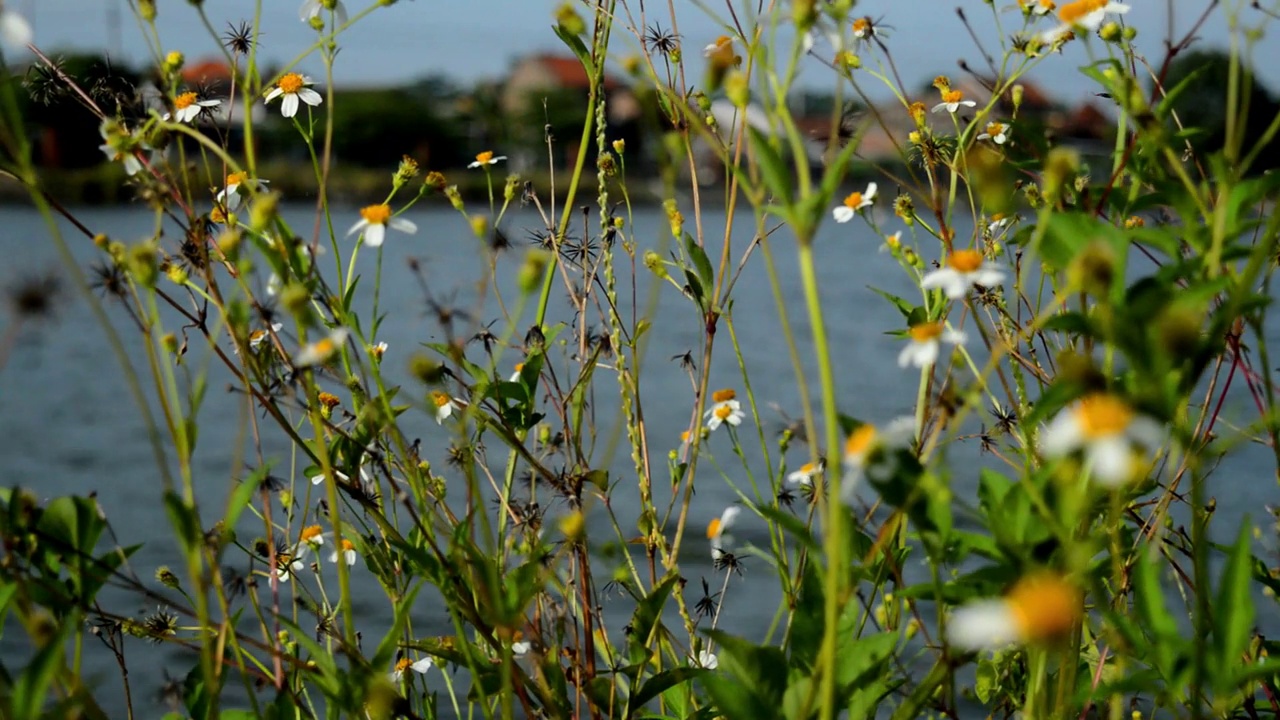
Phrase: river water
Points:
(68, 424)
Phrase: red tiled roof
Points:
(569, 72)
(206, 72)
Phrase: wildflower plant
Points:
(1034, 535)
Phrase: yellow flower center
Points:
(257, 335)
(324, 347)
(853, 200)
(723, 395)
(860, 440)
(439, 399)
(861, 26)
(284, 560)
(1103, 415)
(484, 157)
(403, 664)
(1073, 12)
(998, 217)
(376, 214)
(310, 533)
(217, 215)
(995, 128)
(185, 100)
(684, 436)
(1048, 5)
(965, 261)
(713, 529)
(290, 83)
(723, 42)
(1044, 606)
(809, 468)
(723, 412)
(952, 96)
(329, 400)
(235, 179)
(348, 545)
(925, 332)
(519, 367)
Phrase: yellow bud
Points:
(479, 225)
(737, 89)
(176, 274)
(619, 146)
(169, 342)
(1109, 32)
(653, 261)
(572, 526)
(533, 270)
(142, 264)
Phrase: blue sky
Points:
(476, 39)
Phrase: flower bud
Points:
(166, 577)
(294, 297)
(1109, 32)
(455, 197)
(142, 266)
(427, 369)
(620, 146)
(434, 181)
(263, 212)
(479, 225)
(533, 269)
(176, 274)
(653, 261)
(173, 62)
(1060, 167)
(737, 89)
(569, 20)
(674, 218)
(169, 342)
(512, 188)
(407, 171)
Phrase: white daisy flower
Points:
(1106, 429)
(287, 566)
(520, 646)
(718, 530)
(1033, 7)
(926, 342)
(686, 439)
(1086, 14)
(822, 27)
(294, 88)
(257, 337)
(726, 409)
(15, 32)
(892, 242)
(347, 553)
(310, 539)
(486, 158)
(868, 451)
(120, 146)
(805, 474)
(952, 100)
(274, 285)
(238, 186)
(1039, 607)
(996, 132)
(720, 51)
(705, 659)
(312, 8)
(444, 405)
(854, 202)
(374, 221)
(188, 106)
(377, 351)
(963, 270)
(320, 351)
(421, 667)
(998, 222)
(515, 374)
(865, 29)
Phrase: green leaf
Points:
(858, 659)
(1149, 599)
(30, 690)
(1235, 604)
(387, 647)
(185, 523)
(578, 47)
(700, 261)
(761, 669)
(903, 306)
(659, 684)
(777, 177)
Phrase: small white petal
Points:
(289, 105)
(919, 354)
(375, 234)
(310, 97)
(843, 214)
(1110, 461)
(275, 93)
(1063, 434)
(404, 226)
(983, 625)
(360, 225)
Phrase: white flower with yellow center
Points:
(347, 553)
(312, 8)
(1038, 608)
(238, 185)
(520, 646)
(1085, 14)
(868, 451)
(287, 566)
(1033, 7)
(374, 221)
(515, 375)
(998, 222)
(294, 88)
(1106, 429)
(320, 351)
(854, 202)
(310, 539)
(892, 242)
(805, 474)
(963, 270)
(444, 405)
(404, 664)
(377, 351)
(257, 337)
(865, 29)
(725, 409)
(718, 530)
(996, 132)
(342, 477)
(188, 106)
(952, 100)
(120, 146)
(486, 159)
(926, 342)
(15, 32)
(721, 53)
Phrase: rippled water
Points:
(68, 424)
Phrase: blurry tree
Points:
(1202, 106)
(377, 127)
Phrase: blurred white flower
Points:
(718, 530)
(188, 106)
(486, 158)
(963, 270)
(725, 409)
(1107, 429)
(421, 667)
(15, 32)
(925, 343)
(1039, 607)
(952, 100)
(320, 351)
(312, 8)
